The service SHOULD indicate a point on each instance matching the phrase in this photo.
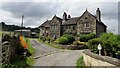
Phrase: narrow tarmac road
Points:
(56, 57)
(41, 49)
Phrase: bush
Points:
(62, 40)
(86, 37)
(77, 35)
(49, 39)
(92, 44)
(69, 37)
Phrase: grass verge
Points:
(30, 48)
(80, 63)
(50, 44)
(29, 60)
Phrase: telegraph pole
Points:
(22, 23)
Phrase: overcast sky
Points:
(35, 13)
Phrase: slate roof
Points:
(71, 21)
(59, 19)
(46, 24)
(102, 23)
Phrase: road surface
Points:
(49, 56)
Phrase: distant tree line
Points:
(6, 27)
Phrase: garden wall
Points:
(92, 60)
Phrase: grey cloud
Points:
(30, 9)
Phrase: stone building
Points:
(85, 24)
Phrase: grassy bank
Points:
(80, 63)
(50, 44)
(31, 50)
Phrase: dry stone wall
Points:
(93, 60)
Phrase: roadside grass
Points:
(30, 48)
(50, 44)
(29, 60)
(80, 63)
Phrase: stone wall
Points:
(100, 29)
(92, 60)
(55, 27)
(86, 24)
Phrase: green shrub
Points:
(49, 39)
(56, 41)
(86, 37)
(62, 40)
(93, 43)
(78, 35)
(118, 37)
(69, 37)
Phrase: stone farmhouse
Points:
(85, 24)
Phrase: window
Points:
(86, 25)
(54, 27)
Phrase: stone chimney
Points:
(69, 16)
(98, 14)
(64, 16)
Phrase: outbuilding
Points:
(24, 32)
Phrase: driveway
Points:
(49, 56)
